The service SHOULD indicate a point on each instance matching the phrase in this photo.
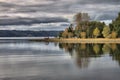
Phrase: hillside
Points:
(15, 33)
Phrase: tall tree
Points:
(78, 18)
(115, 26)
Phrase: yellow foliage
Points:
(114, 34)
(96, 48)
(106, 31)
(96, 32)
(64, 34)
(113, 47)
(83, 34)
(70, 35)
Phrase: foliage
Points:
(96, 32)
(106, 31)
(70, 35)
(114, 34)
(83, 34)
(60, 34)
(92, 29)
(81, 17)
(78, 18)
(115, 26)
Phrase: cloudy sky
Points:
(52, 14)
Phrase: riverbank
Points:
(79, 40)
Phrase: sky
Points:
(52, 14)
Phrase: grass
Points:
(79, 40)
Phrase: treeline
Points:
(84, 28)
(18, 33)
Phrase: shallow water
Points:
(25, 60)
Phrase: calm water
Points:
(24, 60)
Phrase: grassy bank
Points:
(79, 40)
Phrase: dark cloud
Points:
(63, 6)
(18, 12)
(98, 2)
(29, 21)
(5, 4)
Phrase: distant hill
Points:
(15, 33)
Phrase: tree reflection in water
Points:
(83, 52)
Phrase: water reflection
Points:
(58, 61)
(82, 53)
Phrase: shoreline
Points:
(79, 40)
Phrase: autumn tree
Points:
(83, 34)
(65, 33)
(96, 32)
(106, 32)
(68, 33)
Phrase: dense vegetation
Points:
(84, 28)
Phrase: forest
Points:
(86, 28)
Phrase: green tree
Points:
(60, 34)
(115, 26)
(115, 30)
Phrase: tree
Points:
(106, 32)
(115, 30)
(65, 33)
(70, 29)
(83, 34)
(81, 17)
(77, 32)
(114, 34)
(96, 32)
(115, 26)
(60, 34)
(70, 35)
(78, 17)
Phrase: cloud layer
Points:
(22, 12)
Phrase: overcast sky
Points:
(52, 14)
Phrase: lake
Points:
(27, 60)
